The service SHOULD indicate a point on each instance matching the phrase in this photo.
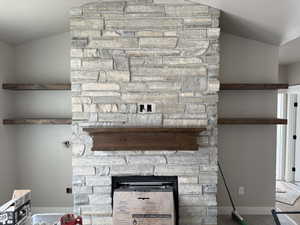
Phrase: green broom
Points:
(235, 214)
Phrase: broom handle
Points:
(227, 189)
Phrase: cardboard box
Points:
(155, 207)
(17, 211)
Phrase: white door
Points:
(297, 145)
(290, 141)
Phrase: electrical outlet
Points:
(241, 190)
(146, 108)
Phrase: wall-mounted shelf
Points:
(36, 87)
(67, 121)
(253, 121)
(249, 86)
(223, 86)
(38, 121)
(152, 139)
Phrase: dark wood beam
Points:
(37, 87)
(253, 121)
(249, 86)
(37, 121)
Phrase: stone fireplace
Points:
(145, 64)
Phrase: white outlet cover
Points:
(241, 190)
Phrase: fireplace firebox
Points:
(148, 184)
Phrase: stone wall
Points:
(138, 52)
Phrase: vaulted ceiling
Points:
(271, 21)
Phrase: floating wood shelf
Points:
(254, 121)
(54, 121)
(36, 87)
(249, 86)
(152, 139)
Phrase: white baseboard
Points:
(58, 210)
(246, 210)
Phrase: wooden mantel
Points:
(144, 139)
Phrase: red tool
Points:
(70, 219)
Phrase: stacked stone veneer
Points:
(134, 52)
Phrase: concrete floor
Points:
(252, 220)
(286, 207)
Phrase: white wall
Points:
(247, 152)
(7, 135)
(293, 71)
(44, 164)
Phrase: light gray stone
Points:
(169, 71)
(149, 23)
(139, 170)
(185, 159)
(190, 189)
(179, 170)
(187, 179)
(195, 108)
(199, 34)
(194, 83)
(151, 52)
(83, 170)
(210, 188)
(82, 190)
(162, 86)
(194, 44)
(82, 76)
(98, 180)
(208, 178)
(100, 87)
(148, 33)
(186, 10)
(80, 116)
(143, 159)
(197, 22)
(102, 189)
(100, 210)
(170, 60)
(78, 180)
(213, 33)
(76, 52)
(98, 161)
(192, 211)
(96, 64)
(75, 63)
(102, 170)
(75, 11)
(121, 63)
(213, 85)
(110, 6)
(145, 119)
(114, 43)
(107, 108)
(101, 93)
(197, 200)
(79, 42)
(145, 9)
(170, 108)
(158, 42)
(81, 100)
(150, 97)
(100, 199)
(78, 149)
(81, 199)
(112, 117)
(86, 23)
